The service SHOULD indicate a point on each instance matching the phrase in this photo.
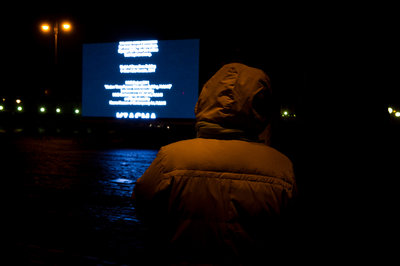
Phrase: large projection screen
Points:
(141, 79)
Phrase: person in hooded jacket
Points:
(223, 193)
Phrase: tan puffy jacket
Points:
(220, 190)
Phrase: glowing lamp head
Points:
(45, 27)
(397, 114)
(66, 26)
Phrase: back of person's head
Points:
(235, 101)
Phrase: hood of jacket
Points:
(234, 103)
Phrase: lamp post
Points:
(46, 28)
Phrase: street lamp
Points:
(46, 28)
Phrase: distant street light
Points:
(66, 26)
(46, 28)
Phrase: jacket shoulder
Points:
(233, 156)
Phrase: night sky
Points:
(248, 34)
(320, 52)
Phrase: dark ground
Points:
(66, 200)
(71, 205)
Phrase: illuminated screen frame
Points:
(141, 79)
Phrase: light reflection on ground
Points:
(76, 201)
(121, 168)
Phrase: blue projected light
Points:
(140, 79)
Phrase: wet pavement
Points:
(67, 204)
